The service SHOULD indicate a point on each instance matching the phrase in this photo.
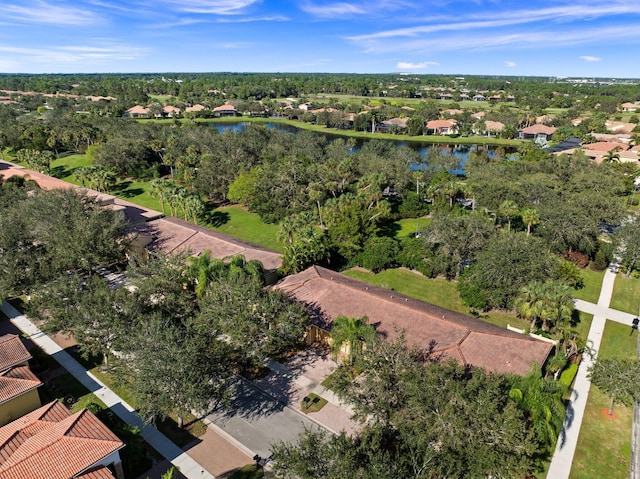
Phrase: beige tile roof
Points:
(535, 129)
(52, 443)
(606, 146)
(12, 351)
(329, 294)
(16, 381)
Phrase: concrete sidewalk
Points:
(187, 466)
(562, 459)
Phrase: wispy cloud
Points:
(216, 7)
(589, 58)
(511, 64)
(41, 12)
(74, 54)
(235, 45)
(415, 66)
(269, 18)
(334, 9)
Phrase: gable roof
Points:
(17, 381)
(12, 351)
(52, 443)
(329, 294)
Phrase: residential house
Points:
(137, 111)
(628, 106)
(18, 385)
(226, 110)
(468, 340)
(536, 132)
(620, 127)
(478, 115)
(451, 112)
(464, 97)
(52, 443)
(172, 235)
(195, 108)
(478, 97)
(442, 127)
(169, 111)
(491, 128)
(392, 125)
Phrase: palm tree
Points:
(558, 305)
(508, 209)
(612, 156)
(530, 304)
(193, 206)
(159, 189)
(354, 332)
(531, 217)
(202, 270)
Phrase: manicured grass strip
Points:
(250, 471)
(239, 223)
(604, 445)
(436, 291)
(618, 342)
(592, 285)
(626, 294)
(409, 226)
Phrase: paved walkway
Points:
(187, 466)
(562, 460)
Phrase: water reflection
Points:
(459, 151)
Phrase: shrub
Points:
(600, 262)
(569, 374)
(579, 259)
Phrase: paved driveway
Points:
(257, 421)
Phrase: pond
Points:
(459, 151)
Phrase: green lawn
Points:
(592, 285)
(250, 471)
(604, 445)
(626, 294)
(436, 291)
(239, 223)
(409, 226)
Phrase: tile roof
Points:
(17, 381)
(329, 294)
(12, 351)
(99, 473)
(172, 235)
(535, 129)
(606, 146)
(52, 443)
(441, 123)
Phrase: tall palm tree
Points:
(530, 304)
(531, 217)
(354, 332)
(508, 209)
(159, 189)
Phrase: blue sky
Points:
(583, 38)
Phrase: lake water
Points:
(460, 151)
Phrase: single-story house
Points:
(628, 106)
(137, 111)
(195, 108)
(172, 235)
(52, 443)
(18, 385)
(491, 128)
(170, 111)
(225, 110)
(445, 333)
(451, 112)
(620, 126)
(478, 97)
(394, 124)
(442, 127)
(535, 132)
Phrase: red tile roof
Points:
(17, 381)
(99, 473)
(12, 351)
(52, 443)
(433, 124)
(469, 340)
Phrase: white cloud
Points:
(41, 12)
(82, 55)
(334, 9)
(270, 18)
(415, 66)
(511, 64)
(235, 45)
(217, 7)
(589, 58)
